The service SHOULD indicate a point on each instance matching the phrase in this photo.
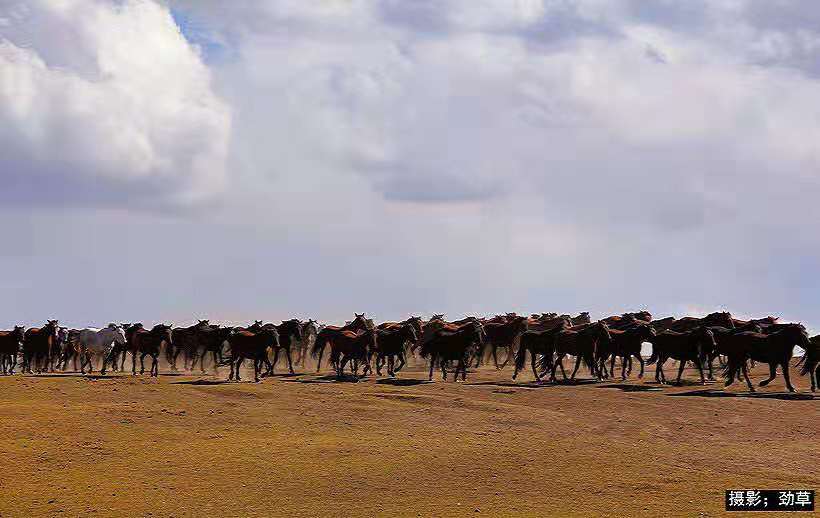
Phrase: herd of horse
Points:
(548, 339)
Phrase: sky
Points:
(168, 160)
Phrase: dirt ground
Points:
(304, 445)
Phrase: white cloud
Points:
(109, 96)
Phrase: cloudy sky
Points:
(173, 159)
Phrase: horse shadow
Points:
(625, 387)
(77, 375)
(785, 396)
(402, 382)
(330, 378)
(281, 375)
(202, 382)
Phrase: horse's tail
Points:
(521, 355)
(733, 367)
(653, 358)
(544, 363)
(809, 359)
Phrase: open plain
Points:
(307, 445)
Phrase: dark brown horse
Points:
(10, 344)
(774, 349)
(290, 335)
(720, 318)
(446, 346)
(626, 344)
(502, 335)
(583, 344)
(690, 346)
(811, 362)
(392, 344)
(245, 344)
(38, 344)
(538, 342)
(149, 343)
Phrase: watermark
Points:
(770, 500)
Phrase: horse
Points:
(95, 342)
(149, 343)
(720, 318)
(446, 346)
(290, 332)
(811, 362)
(583, 344)
(10, 344)
(353, 347)
(626, 344)
(328, 333)
(309, 331)
(538, 342)
(70, 351)
(245, 344)
(775, 349)
(720, 334)
(581, 318)
(392, 343)
(416, 322)
(38, 344)
(502, 334)
(689, 346)
(186, 340)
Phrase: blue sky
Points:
(179, 159)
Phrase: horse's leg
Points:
(443, 370)
(577, 365)
(680, 370)
(772, 374)
(699, 365)
(432, 366)
(623, 366)
(142, 362)
(787, 375)
(560, 363)
(532, 365)
(745, 370)
(660, 377)
(133, 362)
(238, 366)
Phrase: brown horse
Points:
(775, 349)
(246, 344)
(689, 346)
(10, 344)
(38, 344)
(349, 346)
(329, 333)
(583, 344)
(149, 343)
(446, 346)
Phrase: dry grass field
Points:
(195, 446)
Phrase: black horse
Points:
(685, 347)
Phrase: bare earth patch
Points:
(193, 446)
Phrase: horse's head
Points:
(19, 333)
(645, 331)
(720, 318)
(293, 328)
(203, 323)
(165, 332)
(438, 316)
(119, 334)
(603, 331)
(53, 327)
